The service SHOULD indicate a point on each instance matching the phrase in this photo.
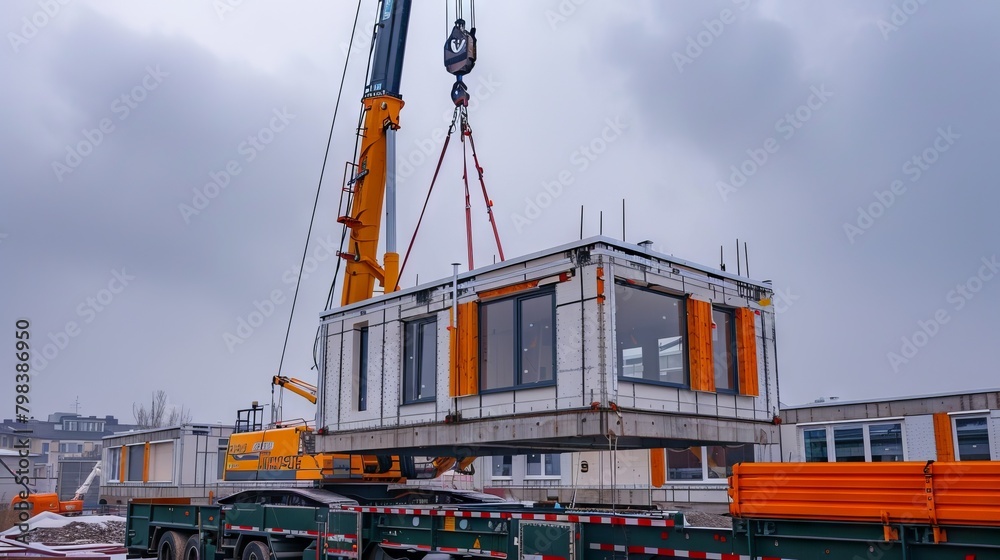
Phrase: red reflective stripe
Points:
(400, 545)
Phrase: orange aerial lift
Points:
(37, 502)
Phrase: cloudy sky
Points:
(159, 161)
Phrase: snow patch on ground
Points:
(49, 520)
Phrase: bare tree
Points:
(159, 413)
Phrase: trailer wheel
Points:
(171, 546)
(192, 550)
(256, 550)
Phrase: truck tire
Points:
(171, 546)
(192, 550)
(256, 550)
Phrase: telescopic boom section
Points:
(297, 386)
(382, 104)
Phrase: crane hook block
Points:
(460, 49)
(460, 93)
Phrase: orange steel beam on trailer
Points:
(365, 217)
(939, 494)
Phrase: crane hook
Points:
(460, 93)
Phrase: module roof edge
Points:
(638, 250)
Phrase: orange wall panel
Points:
(944, 441)
(699, 327)
(746, 351)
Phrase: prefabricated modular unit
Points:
(590, 345)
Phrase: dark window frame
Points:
(518, 298)
(734, 364)
(505, 462)
(685, 362)
(544, 460)
(419, 323)
(362, 369)
(970, 437)
(823, 444)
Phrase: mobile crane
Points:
(285, 451)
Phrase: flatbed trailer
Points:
(318, 525)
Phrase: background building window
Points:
(502, 466)
(134, 463)
(722, 458)
(816, 449)
(684, 464)
(517, 341)
(542, 465)
(886, 442)
(710, 463)
(114, 464)
(849, 445)
(70, 447)
(855, 443)
(649, 328)
(161, 462)
(419, 360)
(973, 437)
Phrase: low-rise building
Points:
(185, 461)
(960, 426)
